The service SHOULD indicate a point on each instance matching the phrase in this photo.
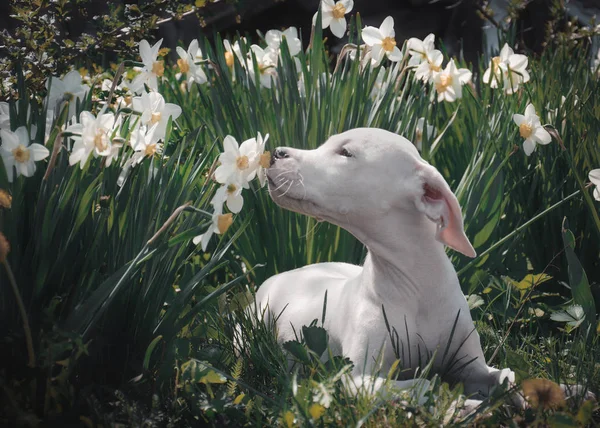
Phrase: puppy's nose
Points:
(279, 153)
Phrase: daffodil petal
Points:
(371, 36)
(338, 27)
(38, 152)
(541, 136)
(528, 146)
(387, 27)
(594, 176)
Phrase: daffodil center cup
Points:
(265, 160)
(444, 82)
(231, 188)
(183, 65)
(229, 59)
(242, 162)
(155, 118)
(21, 153)
(388, 44)
(525, 130)
(338, 11)
(100, 140)
(224, 221)
(150, 150)
(496, 64)
(419, 135)
(158, 68)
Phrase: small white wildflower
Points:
(154, 110)
(333, 16)
(18, 152)
(152, 70)
(187, 63)
(92, 136)
(238, 163)
(382, 41)
(531, 129)
(266, 61)
(594, 177)
(448, 83)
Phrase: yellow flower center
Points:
(155, 117)
(265, 160)
(229, 59)
(5, 199)
(150, 150)
(158, 68)
(525, 130)
(100, 140)
(183, 65)
(388, 44)
(419, 135)
(242, 162)
(338, 11)
(21, 153)
(224, 221)
(231, 188)
(128, 100)
(445, 81)
(495, 64)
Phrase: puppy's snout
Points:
(279, 153)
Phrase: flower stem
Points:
(26, 328)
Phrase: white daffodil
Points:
(508, 68)
(17, 152)
(154, 110)
(152, 70)
(267, 66)
(423, 129)
(144, 144)
(333, 16)
(594, 177)
(219, 225)
(232, 51)
(275, 37)
(238, 163)
(4, 116)
(419, 49)
(231, 195)
(432, 64)
(187, 63)
(531, 129)
(382, 42)
(264, 159)
(69, 88)
(92, 136)
(449, 82)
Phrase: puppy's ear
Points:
(439, 204)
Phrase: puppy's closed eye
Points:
(344, 152)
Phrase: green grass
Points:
(110, 278)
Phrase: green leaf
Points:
(580, 286)
(562, 420)
(297, 350)
(315, 338)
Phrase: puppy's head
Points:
(358, 178)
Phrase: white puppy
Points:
(374, 184)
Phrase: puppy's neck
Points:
(406, 261)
